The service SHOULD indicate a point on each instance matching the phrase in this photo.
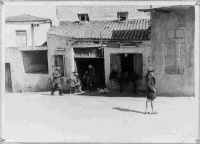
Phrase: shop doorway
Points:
(132, 62)
(97, 63)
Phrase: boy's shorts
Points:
(151, 96)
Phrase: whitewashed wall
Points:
(40, 35)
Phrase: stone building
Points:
(26, 62)
(172, 49)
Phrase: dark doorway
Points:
(8, 79)
(97, 63)
(127, 63)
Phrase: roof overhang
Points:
(28, 22)
(167, 9)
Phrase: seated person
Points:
(75, 82)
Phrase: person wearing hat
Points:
(56, 81)
(75, 82)
(151, 91)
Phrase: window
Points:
(59, 61)
(175, 52)
(83, 17)
(122, 16)
(35, 61)
(21, 38)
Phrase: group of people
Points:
(87, 82)
(120, 80)
(115, 78)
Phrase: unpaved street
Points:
(39, 117)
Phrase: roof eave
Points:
(27, 22)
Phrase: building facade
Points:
(26, 52)
(80, 40)
(172, 49)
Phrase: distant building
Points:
(26, 53)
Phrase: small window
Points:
(83, 17)
(21, 38)
(122, 16)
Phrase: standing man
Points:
(56, 81)
(151, 91)
(91, 77)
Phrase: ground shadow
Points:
(127, 110)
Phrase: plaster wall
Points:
(40, 35)
(21, 81)
(100, 12)
(61, 42)
(173, 84)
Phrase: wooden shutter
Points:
(174, 56)
(170, 56)
(182, 53)
(21, 38)
(115, 60)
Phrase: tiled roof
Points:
(137, 29)
(26, 18)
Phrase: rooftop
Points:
(25, 18)
(135, 29)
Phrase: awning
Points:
(167, 9)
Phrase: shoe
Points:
(52, 94)
(61, 94)
(155, 112)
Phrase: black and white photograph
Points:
(100, 71)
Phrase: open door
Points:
(115, 60)
(8, 80)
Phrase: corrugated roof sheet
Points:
(26, 18)
(136, 29)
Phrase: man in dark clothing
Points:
(56, 81)
(85, 81)
(91, 77)
(151, 91)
